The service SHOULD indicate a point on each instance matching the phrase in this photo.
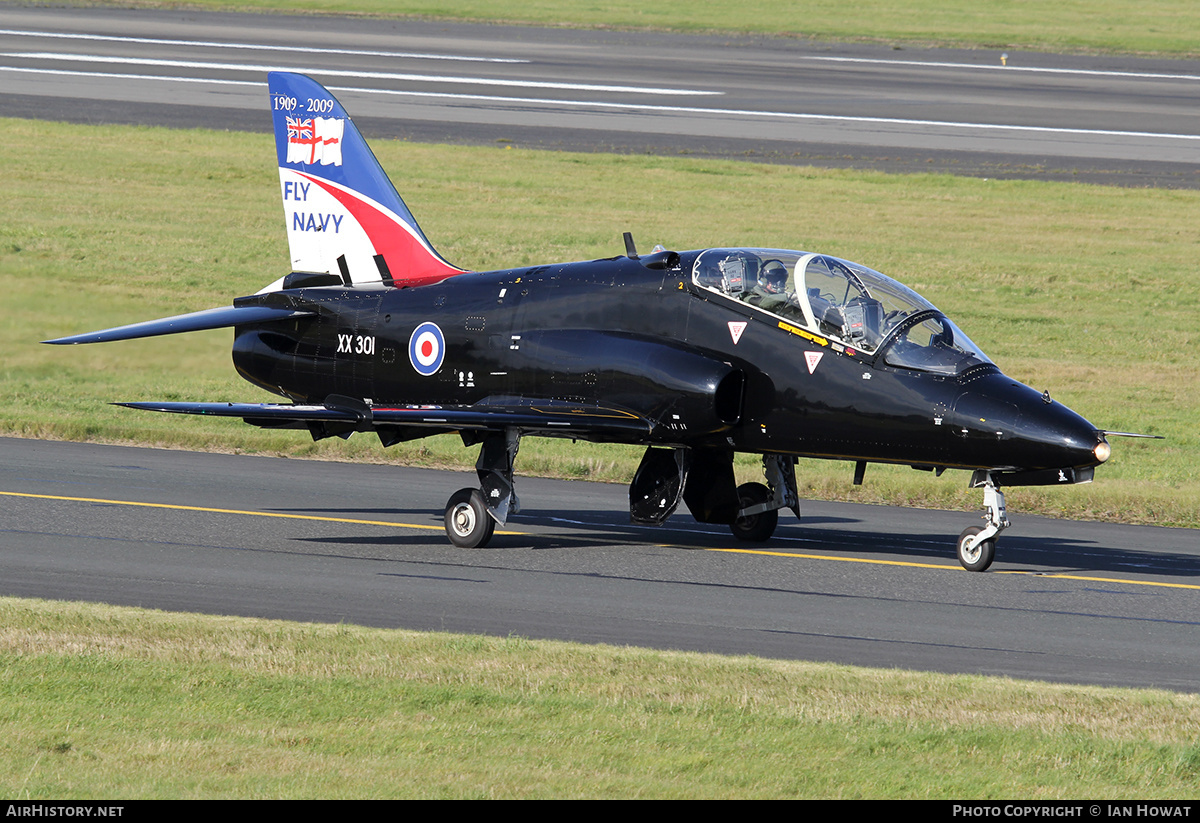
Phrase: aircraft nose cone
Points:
(1062, 437)
(1028, 429)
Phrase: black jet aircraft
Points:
(696, 355)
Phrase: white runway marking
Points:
(1136, 75)
(367, 75)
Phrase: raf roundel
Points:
(426, 348)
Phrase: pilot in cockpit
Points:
(770, 294)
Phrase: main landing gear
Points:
(755, 522)
(472, 514)
(977, 544)
(703, 479)
(759, 504)
(468, 524)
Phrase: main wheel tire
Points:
(978, 558)
(754, 528)
(468, 524)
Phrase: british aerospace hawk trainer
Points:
(694, 354)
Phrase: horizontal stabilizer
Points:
(221, 318)
(547, 418)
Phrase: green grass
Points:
(1166, 27)
(98, 702)
(1087, 291)
(1169, 28)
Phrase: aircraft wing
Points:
(552, 418)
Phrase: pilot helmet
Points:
(773, 277)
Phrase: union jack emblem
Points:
(297, 128)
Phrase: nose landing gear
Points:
(977, 545)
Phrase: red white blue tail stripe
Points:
(337, 200)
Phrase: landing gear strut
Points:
(472, 514)
(977, 545)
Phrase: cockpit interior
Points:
(843, 301)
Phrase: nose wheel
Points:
(468, 524)
(977, 544)
(974, 554)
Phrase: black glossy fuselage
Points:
(615, 333)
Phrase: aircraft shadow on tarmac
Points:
(590, 529)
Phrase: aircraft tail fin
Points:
(344, 216)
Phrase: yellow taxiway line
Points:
(763, 552)
(177, 507)
(949, 567)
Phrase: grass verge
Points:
(100, 702)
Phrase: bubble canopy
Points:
(843, 301)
